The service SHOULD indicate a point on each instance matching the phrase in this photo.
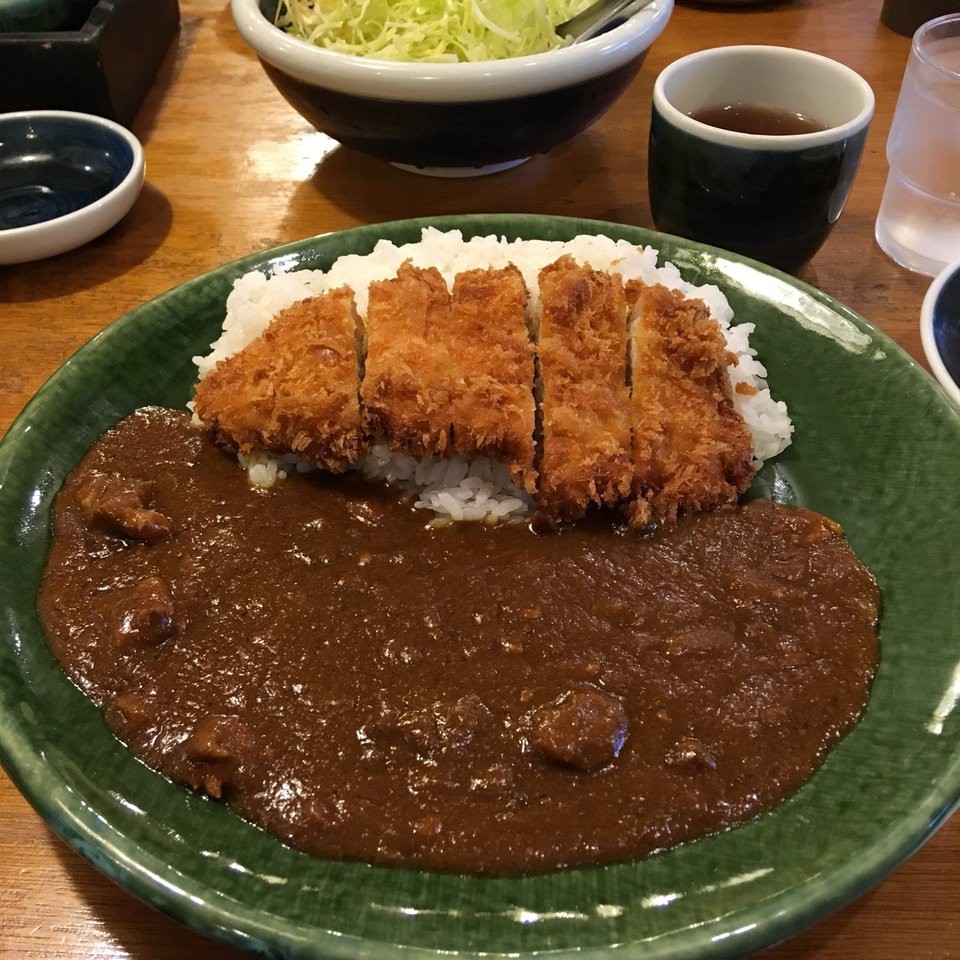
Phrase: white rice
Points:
(457, 488)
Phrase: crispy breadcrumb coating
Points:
(456, 375)
(632, 290)
(407, 386)
(294, 388)
(585, 406)
(493, 406)
(691, 449)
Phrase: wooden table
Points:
(231, 170)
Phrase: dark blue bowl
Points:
(452, 118)
(940, 329)
(64, 179)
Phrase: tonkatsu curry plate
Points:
(522, 572)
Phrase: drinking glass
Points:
(919, 221)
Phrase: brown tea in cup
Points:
(745, 118)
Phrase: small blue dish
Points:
(65, 178)
(940, 329)
(34, 16)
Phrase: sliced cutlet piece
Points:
(632, 290)
(493, 409)
(691, 449)
(585, 457)
(406, 390)
(294, 389)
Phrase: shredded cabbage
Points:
(429, 31)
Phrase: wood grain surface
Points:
(231, 169)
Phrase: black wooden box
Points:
(105, 67)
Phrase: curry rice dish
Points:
(474, 697)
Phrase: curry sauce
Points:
(474, 698)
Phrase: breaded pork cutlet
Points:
(691, 449)
(493, 407)
(407, 383)
(585, 456)
(294, 388)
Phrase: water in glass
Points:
(919, 220)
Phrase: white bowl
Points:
(65, 178)
(940, 329)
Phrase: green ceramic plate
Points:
(876, 447)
